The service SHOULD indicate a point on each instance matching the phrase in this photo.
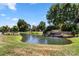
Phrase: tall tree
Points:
(42, 26)
(59, 14)
(14, 29)
(5, 29)
(22, 25)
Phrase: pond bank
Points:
(61, 34)
(11, 45)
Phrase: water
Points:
(34, 39)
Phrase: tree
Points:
(65, 16)
(54, 15)
(5, 29)
(59, 14)
(42, 26)
(22, 25)
(34, 28)
(0, 29)
(14, 29)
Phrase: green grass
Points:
(33, 33)
(75, 41)
(12, 45)
(72, 49)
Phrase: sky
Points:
(32, 13)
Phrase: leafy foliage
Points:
(5, 29)
(42, 26)
(14, 29)
(49, 28)
(22, 25)
(59, 14)
(34, 28)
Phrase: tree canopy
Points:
(62, 14)
(59, 14)
(22, 25)
(42, 26)
(5, 29)
(14, 29)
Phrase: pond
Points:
(37, 39)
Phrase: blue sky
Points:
(31, 13)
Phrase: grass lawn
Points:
(33, 33)
(12, 45)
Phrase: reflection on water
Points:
(44, 40)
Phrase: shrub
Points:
(49, 28)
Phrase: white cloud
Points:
(11, 6)
(2, 15)
(15, 19)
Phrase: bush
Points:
(49, 28)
